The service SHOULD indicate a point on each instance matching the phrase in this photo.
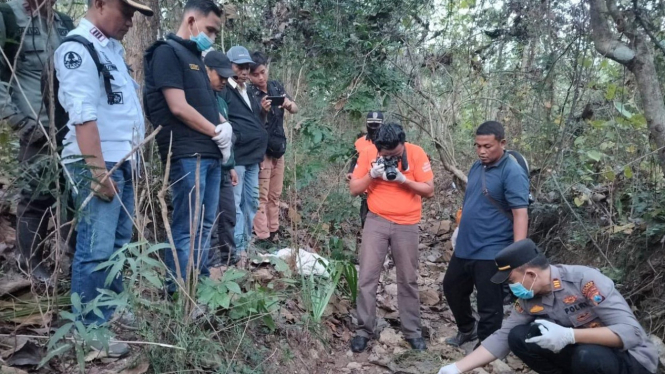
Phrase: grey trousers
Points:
(378, 235)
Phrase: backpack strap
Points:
(105, 73)
(496, 204)
(13, 35)
(66, 21)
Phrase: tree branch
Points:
(604, 40)
(646, 28)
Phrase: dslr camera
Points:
(390, 166)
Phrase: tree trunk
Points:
(636, 56)
(140, 37)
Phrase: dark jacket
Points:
(251, 135)
(184, 141)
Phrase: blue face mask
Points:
(520, 291)
(203, 41)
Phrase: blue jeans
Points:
(246, 196)
(103, 228)
(183, 189)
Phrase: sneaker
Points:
(359, 343)
(125, 319)
(462, 337)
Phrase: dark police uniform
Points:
(581, 297)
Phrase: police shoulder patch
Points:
(591, 292)
(556, 283)
(72, 60)
(518, 307)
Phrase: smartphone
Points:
(276, 100)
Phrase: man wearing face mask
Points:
(248, 117)
(195, 137)
(494, 215)
(568, 319)
(374, 121)
(396, 176)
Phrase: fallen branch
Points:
(134, 342)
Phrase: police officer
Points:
(567, 319)
(103, 128)
(22, 109)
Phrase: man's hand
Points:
(223, 139)
(349, 176)
(27, 129)
(400, 178)
(450, 369)
(265, 104)
(377, 170)
(234, 177)
(288, 104)
(554, 337)
(105, 190)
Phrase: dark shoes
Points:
(417, 344)
(359, 343)
(462, 337)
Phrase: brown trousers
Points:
(271, 181)
(378, 235)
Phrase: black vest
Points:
(184, 141)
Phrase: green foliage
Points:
(317, 291)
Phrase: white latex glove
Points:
(450, 369)
(377, 170)
(400, 178)
(223, 139)
(554, 337)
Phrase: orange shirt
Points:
(362, 143)
(390, 200)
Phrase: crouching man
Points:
(567, 319)
(396, 176)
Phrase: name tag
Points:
(194, 66)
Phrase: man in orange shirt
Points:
(396, 176)
(374, 122)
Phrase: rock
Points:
(263, 275)
(391, 289)
(500, 367)
(386, 302)
(390, 337)
(515, 362)
(479, 371)
(379, 356)
(660, 346)
(313, 354)
(435, 267)
(432, 258)
(444, 227)
(399, 350)
(422, 246)
(354, 366)
(429, 297)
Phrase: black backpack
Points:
(61, 116)
(525, 165)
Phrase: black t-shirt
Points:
(275, 121)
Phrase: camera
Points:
(390, 164)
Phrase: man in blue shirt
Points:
(494, 215)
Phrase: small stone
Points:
(500, 367)
(379, 356)
(263, 275)
(391, 289)
(422, 246)
(444, 227)
(390, 337)
(354, 366)
(399, 350)
(429, 297)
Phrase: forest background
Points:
(578, 85)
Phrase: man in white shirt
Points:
(103, 128)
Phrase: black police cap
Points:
(375, 117)
(512, 257)
(220, 63)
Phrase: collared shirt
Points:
(119, 117)
(38, 45)
(581, 298)
(241, 89)
(484, 230)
